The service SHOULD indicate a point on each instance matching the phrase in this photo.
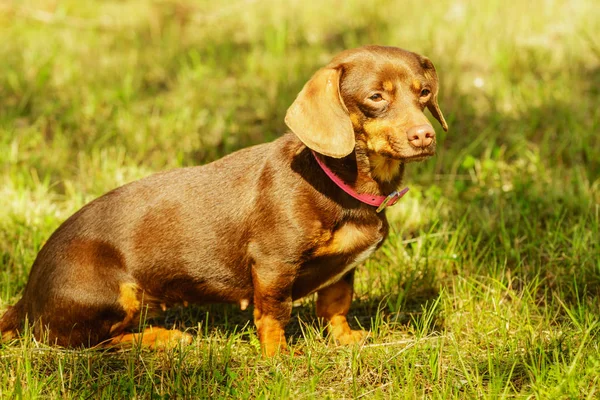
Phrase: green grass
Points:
(489, 285)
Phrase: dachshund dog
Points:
(265, 225)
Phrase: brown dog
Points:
(265, 225)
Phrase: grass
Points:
(489, 285)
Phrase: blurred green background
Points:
(94, 94)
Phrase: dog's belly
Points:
(178, 286)
(200, 282)
(190, 290)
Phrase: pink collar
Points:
(380, 202)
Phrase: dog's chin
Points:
(406, 153)
(413, 155)
(406, 157)
(417, 157)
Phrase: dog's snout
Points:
(421, 135)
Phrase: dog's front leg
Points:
(272, 308)
(333, 304)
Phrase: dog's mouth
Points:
(412, 155)
(401, 150)
(421, 156)
(408, 156)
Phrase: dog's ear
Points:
(319, 117)
(434, 108)
(432, 104)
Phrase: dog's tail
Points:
(11, 321)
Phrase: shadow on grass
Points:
(419, 314)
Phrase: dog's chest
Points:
(337, 252)
(350, 239)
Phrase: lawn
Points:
(489, 284)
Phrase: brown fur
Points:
(262, 226)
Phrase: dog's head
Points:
(370, 98)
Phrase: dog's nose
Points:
(421, 135)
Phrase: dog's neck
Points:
(368, 174)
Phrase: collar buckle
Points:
(391, 199)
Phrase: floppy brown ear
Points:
(432, 104)
(434, 108)
(319, 117)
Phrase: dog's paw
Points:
(273, 348)
(151, 338)
(352, 337)
(169, 339)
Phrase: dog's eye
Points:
(376, 97)
(425, 92)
